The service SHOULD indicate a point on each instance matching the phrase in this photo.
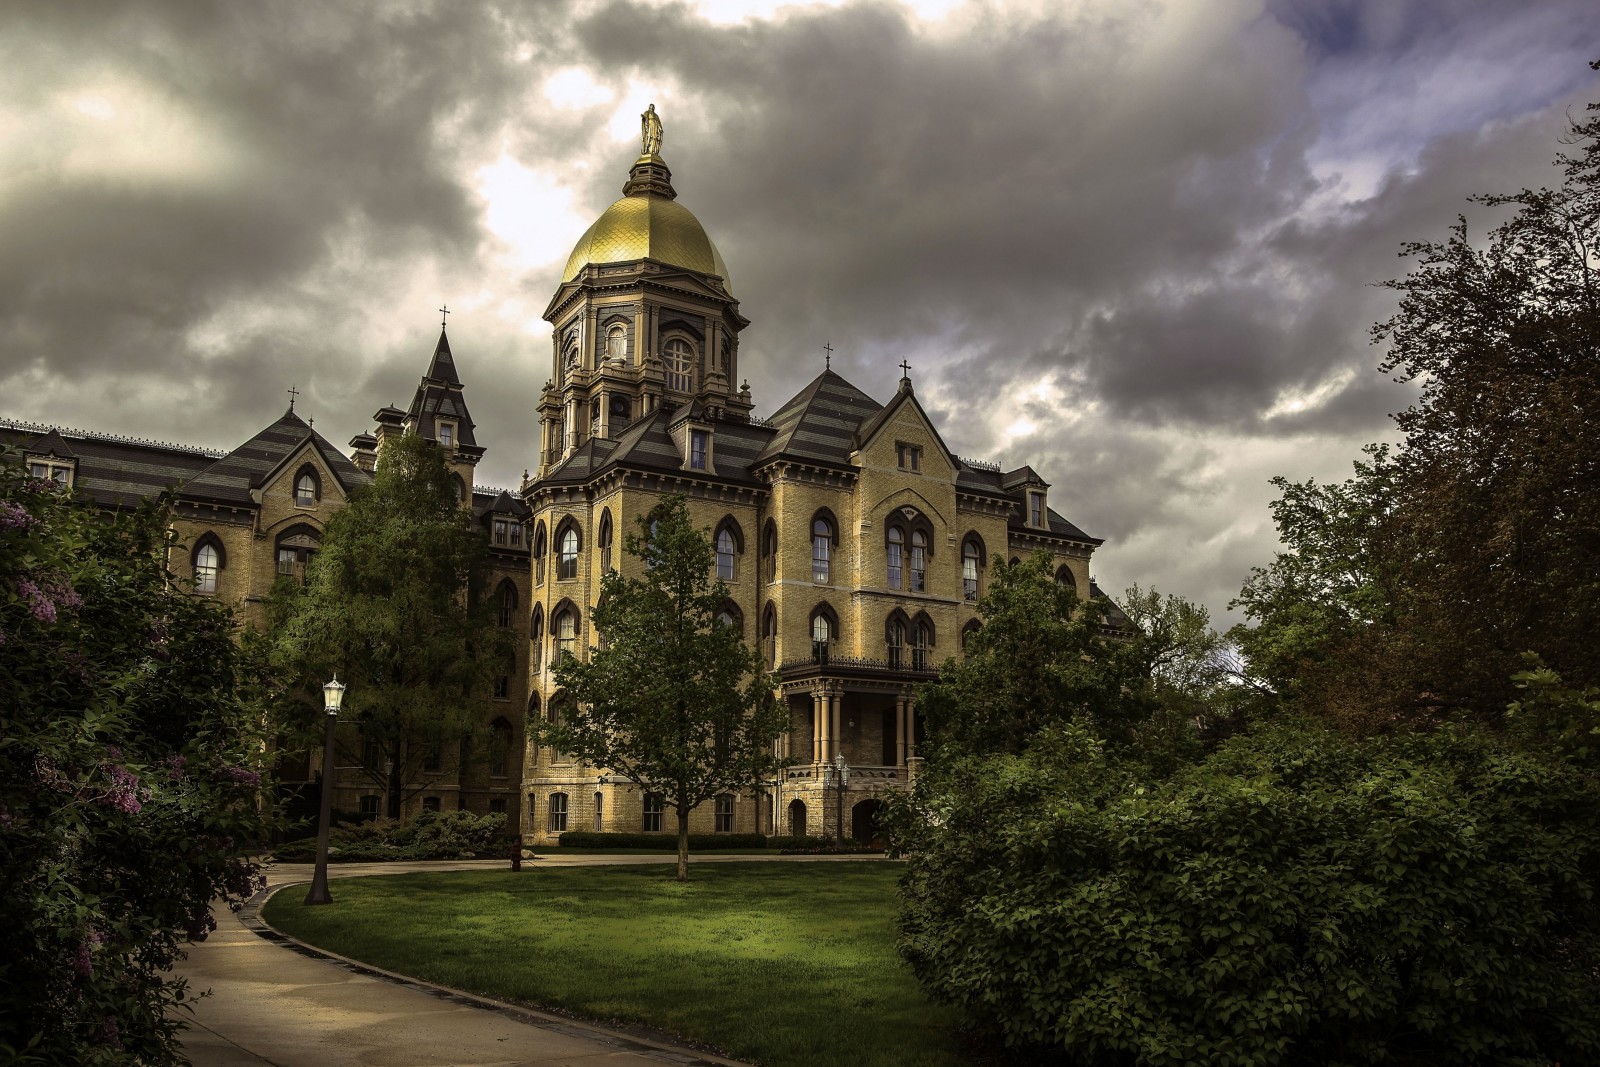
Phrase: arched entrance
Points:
(797, 818)
(864, 825)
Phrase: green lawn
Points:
(780, 963)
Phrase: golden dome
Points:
(647, 227)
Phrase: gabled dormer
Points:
(1029, 490)
(51, 459)
(694, 434)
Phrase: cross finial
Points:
(444, 315)
(827, 360)
(293, 393)
(905, 369)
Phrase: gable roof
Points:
(905, 395)
(248, 467)
(113, 471)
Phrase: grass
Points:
(780, 963)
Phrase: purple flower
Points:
(175, 767)
(7, 820)
(110, 1034)
(47, 595)
(239, 775)
(16, 517)
(83, 959)
(124, 792)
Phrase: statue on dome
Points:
(650, 131)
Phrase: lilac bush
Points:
(129, 780)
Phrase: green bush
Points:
(662, 842)
(129, 779)
(1297, 898)
(432, 835)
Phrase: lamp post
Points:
(841, 772)
(332, 698)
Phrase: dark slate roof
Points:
(1114, 615)
(112, 471)
(1063, 528)
(1021, 476)
(443, 367)
(487, 501)
(231, 478)
(820, 422)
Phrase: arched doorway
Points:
(864, 825)
(797, 818)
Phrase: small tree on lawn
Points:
(673, 700)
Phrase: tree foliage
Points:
(672, 700)
(394, 603)
(128, 779)
(1413, 590)
(1298, 897)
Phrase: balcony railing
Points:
(904, 664)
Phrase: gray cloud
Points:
(1171, 218)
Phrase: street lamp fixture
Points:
(332, 701)
(841, 772)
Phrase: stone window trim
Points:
(604, 540)
(540, 549)
(823, 625)
(769, 549)
(896, 636)
(974, 559)
(569, 547)
(723, 813)
(536, 638)
(1066, 579)
(908, 456)
(307, 486)
(566, 622)
(680, 361)
(52, 468)
(728, 541)
(1038, 512)
(769, 634)
(445, 430)
(923, 639)
(824, 531)
(208, 560)
(730, 615)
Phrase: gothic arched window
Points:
(895, 638)
(307, 487)
(536, 638)
(919, 561)
(822, 539)
(604, 540)
(565, 629)
(207, 562)
(679, 357)
(539, 548)
(508, 603)
(971, 560)
(895, 553)
(921, 643)
(567, 560)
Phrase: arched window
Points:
(295, 547)
(919, 561)
(567, 548)
(731, 616)
(540, 546)
(769, 549)
(565, 628)
(459, 487)
(921, 645)
(307, 487)
(617, 342)
(500, 748)
(536, 639)
(895, 551)
(679, 357)
(208, 562)
(508, 604)
(895, 637)
(968, 631)
(604, 540)
(824, 630)
(558, 813)
(971, 560)
(726, 554)
(822, 540)
(769, 634)
(1065, 579)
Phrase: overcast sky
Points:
(1131, 243)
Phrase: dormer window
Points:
(51, 470)
(1036, 509)
(447, 435)
(508, 532)
(909, 456)
(699, 444)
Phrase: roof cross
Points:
(293, 393)
(444, 315)
(905, 369)
(828, 358)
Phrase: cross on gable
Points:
(444, 315)
(293, 394)
(828, 359)
(905, 369)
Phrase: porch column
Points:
(911, 726)
(900, 730)
(819, 725)
(836, 727)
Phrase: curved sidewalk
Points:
(275, 1002)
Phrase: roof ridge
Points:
(113, 438)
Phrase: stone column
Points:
(911, 728)
(819, 726)
(900, 730)
(836, 728)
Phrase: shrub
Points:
(663, 842)
(1297, 898)
(128, 781)
(432, 835)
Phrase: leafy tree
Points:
(672, 700)
(128, 779)
(1298, 897)
(1413, 591)
(393, 604)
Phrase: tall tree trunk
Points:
(683, 845)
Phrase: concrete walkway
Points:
(275, 1002)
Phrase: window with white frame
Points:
(919, 561)
(724, 814)
(821, 543)
(655, 807)
(567, 562)
(699, 444)
(726, 554)
(566, 631)
(447, 434)
(895, 556)
(557, 813)
(45, 470)
(969, 570)
(207, 562)
(678, 354)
